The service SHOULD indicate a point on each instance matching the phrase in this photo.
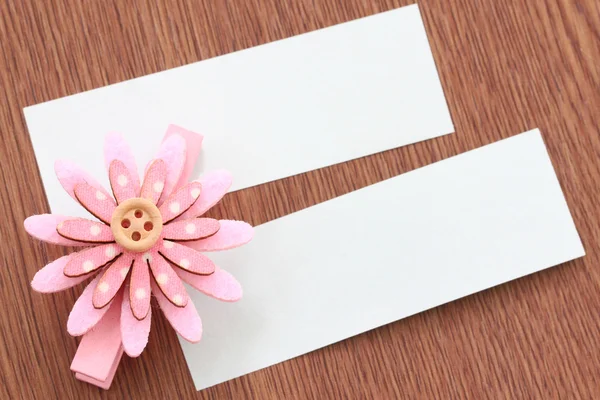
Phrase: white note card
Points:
(384, 253)
(267, 112)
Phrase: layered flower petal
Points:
(191, 229)
(168, 281)
(43, 227)
(123, 184)
(185, 320)
(84, 315)
(95, 201)
(139, 287)
(84, 230)
(89, 260)
(186, 258)
(173, 152)
(134, 332)
(117, 148)
(193, 145)
(215, 185)
(154, 182)
(180, 201)
(70, 175)
(111, 281)
(221, 284)
(51, 279)
(231, 234)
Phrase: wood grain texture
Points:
(506, 67)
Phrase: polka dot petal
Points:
(88, 260)
(188, 259)
(168, 282)
(51, 278)
(111, 281)
(221, 285)
(191, 229)
(154, 182)
(185, 320)
(134, 332)
(231, 234)
(43, 227)
(215, 185)
(85, 230)
(84, 316)
(173, 152)
(70, 175)
(116, 148)
(139, 289)
(179, 201)
(121, 181)
(101, 209)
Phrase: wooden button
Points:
(136, 224)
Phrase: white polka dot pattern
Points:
(191, 229)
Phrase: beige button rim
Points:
(136, 224)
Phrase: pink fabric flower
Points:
(148, 239)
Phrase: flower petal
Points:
(168, 281)
(88, 260)
(51, 279)
(95, 201)
(180, 201)
(116, 148)
(191, 229)
(84, 315)
(185, 320)
(215, 185)
(154, 182)
(122, 182)
(186, 258)
(84, 230)
(111, 281)
(231, 234)
(221, 285)
(43, 227)
(134, 333)
(172, 151)
(139, 289)
(193, 145)
(70, 175)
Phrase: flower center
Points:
(136, 224)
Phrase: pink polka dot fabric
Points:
(180, 201)
(154, 183)
(84, 315)
(95, 201)
(168, 281)
(116, 148)
(214, 186)
(44, 227)
(84, 230)
(126, 278)
(191, 229)
(111, 281)
(134, 332)
(70, 175)
(173, 152)
(231, 234)
(51, 279)
(89, 260)
(186, 258)
(139, 287)
(123, 185)
(185, 320)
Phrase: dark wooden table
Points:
(506, 67)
